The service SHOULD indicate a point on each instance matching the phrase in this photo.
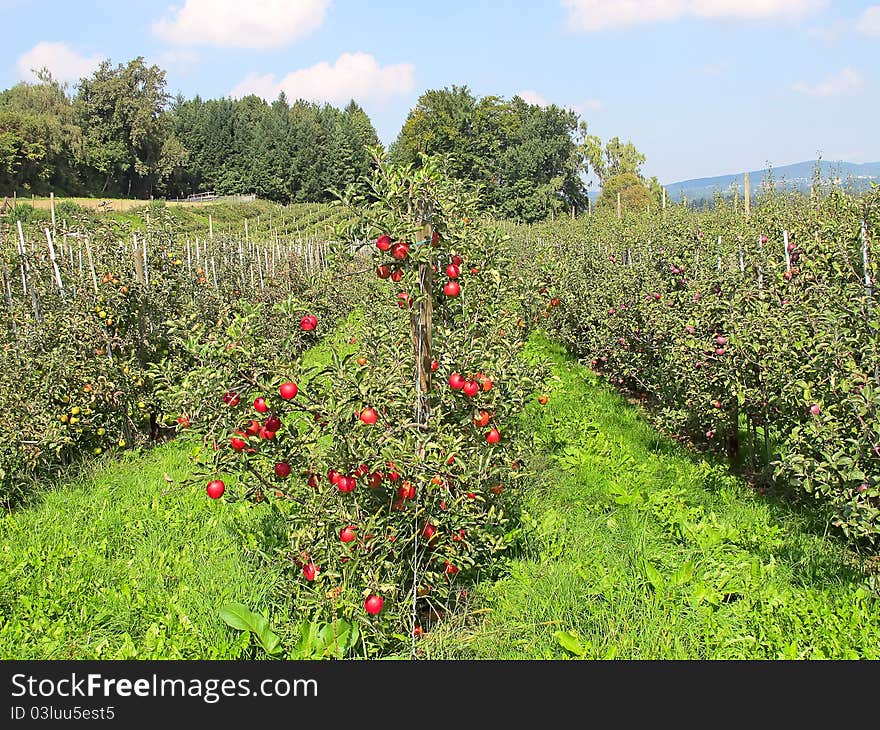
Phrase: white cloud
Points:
(869, 21)
(533, 97)
(597, 15)
(231, 23)
(354, 76)
(846, 82)
(587, 105)
(64, 63)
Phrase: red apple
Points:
(308, 323)
(288, 390)
(383, 243)
(456, 381)
(310, 571)
(494, 436)
(272, 423)
(261, 405)
(471, 388)
(373, 604)
(452, 289)
(452, 271)
(383, 271)
(237, 443)
(215, 489)
(346, 534)
(400, 250)
(369, 416)
(282, 470)
(374, 481)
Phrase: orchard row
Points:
(756, 338)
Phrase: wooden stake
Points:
(421, 325)
(138, 260)
(92, 266)
(747, 195)
(52, 208)
(664, 198)
(760, 268)
(54, 260)
(22, 260)
(211, 227)
(618, 205)
(787, 255)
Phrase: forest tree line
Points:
(118, 133)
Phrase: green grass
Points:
(123, 563)
(635, 548)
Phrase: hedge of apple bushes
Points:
(88, 372)
(397, 487)
(755, 337)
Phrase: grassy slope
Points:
(615, 500)
(121, 563)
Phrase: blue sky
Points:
(702, 87)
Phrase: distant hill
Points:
(798, 176)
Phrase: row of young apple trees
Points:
(103, 321)
(395, 462)
(756, 337)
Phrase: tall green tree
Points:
(525, 159)
(40, 142)
(126, 144)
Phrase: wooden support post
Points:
(211, 227)
(747, 195)
(787, 254)
(618, 205)
(22, 260)
(421, 325)
(138, 260)
(760, 268)
(54, 260)
(92, 266)
(52, 209)
(664, 198)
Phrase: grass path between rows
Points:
(635, 548)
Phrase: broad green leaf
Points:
(569, 641)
